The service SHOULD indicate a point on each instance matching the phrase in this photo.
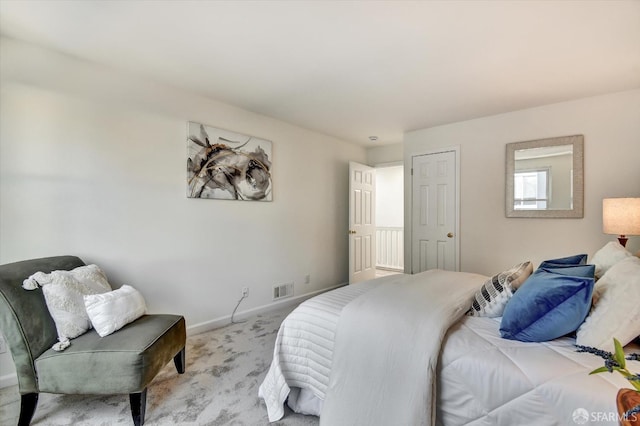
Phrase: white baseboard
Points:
(203, 327)
(12, 379)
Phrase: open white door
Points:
(362, 227)
(434, 233)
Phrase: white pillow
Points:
(111, 311)
(63, 292)
(608, 256)
(617, 312)
(494, 294)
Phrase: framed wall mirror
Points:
(544, 178)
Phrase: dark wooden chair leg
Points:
(28, 403)
(179, 361)
(138, 406)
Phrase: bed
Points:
(399, 350)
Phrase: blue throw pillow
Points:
(548, 305)
(578, 259)
(587, 271)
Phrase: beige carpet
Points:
(220, 386)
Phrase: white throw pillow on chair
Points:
(63, 293)
(111, 311)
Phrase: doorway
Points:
(389, 221)
(376, 221)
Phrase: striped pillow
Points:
(494, 294)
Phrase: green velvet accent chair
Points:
(124, 362)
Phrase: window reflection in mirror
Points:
(544, 178)
(531, 189)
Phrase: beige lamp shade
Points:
(621, 216)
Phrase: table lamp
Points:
(621, 216)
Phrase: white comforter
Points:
(387, 348)
(482, 379)
(304, 349)
(486, 380)
(371, 363)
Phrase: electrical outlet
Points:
(3, 345)
(245, 291)
(307, 279)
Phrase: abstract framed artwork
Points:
(227, 165)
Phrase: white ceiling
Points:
(353, 68)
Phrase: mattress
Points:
(486, 380)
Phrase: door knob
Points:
(351, 232)
(450, 235)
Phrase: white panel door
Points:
(434, 212)
(362, 226)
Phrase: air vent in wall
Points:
(281, 291)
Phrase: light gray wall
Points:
(93, 163)
(490, 242)
(384, 154)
